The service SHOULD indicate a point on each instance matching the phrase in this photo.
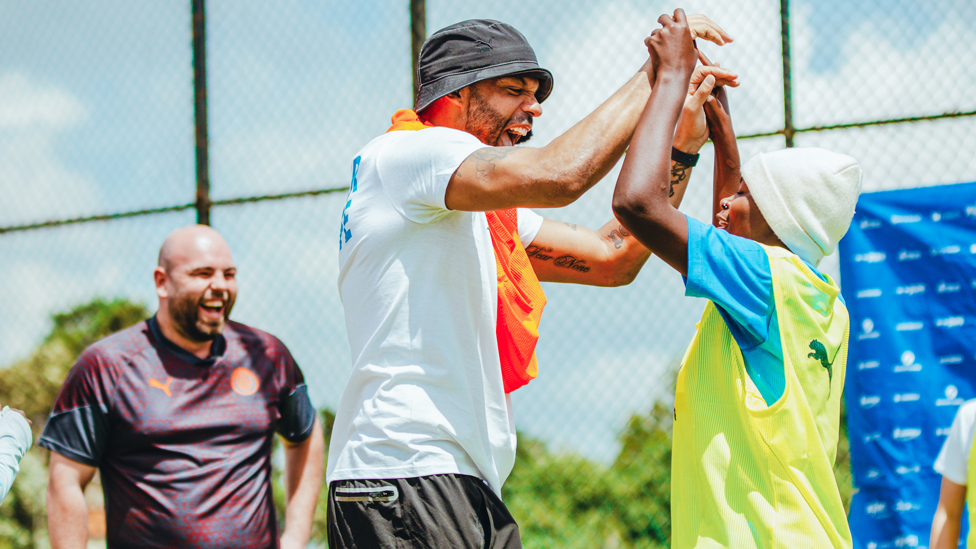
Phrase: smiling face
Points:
(500, 110)
(197, 285)
(741, 216)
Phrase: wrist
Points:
(684, 158)
(688, 145)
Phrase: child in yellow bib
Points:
(757, 404)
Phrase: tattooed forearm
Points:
(570, 225)
(679, 172)
(565, 261)
(617, 236)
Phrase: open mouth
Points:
(212, 309)
(511, 135)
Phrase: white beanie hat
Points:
(807, 195)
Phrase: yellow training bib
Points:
(747, 475)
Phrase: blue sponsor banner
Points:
(908, 272)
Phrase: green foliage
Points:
(31, 385)
(319, 532)
(567, 501)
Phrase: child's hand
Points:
(672, 47)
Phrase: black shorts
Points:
(439, 511)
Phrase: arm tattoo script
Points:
(617, 236)
(570, 225)
(679, 172)
(565, 261)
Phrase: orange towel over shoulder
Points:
(520, 296)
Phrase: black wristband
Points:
(683, 158)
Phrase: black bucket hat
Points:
(472, 51)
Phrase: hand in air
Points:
(692, 131)
(703, 27)
(717, 113)
(672, 47)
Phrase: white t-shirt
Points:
(418, 284)
(953, 460)
(15, 440)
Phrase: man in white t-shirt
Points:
(15, 440)
(440, 265)
(953, 465)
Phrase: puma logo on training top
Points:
(820, 353)
(160, 386)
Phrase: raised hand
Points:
(671, 47)
(692, 131)
(703, 27)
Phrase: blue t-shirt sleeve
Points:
(733, 272)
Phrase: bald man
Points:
(178, 414)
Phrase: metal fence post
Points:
(200, 111)
(789, 130)
(418, 33)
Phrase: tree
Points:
(31, 385)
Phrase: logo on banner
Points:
(909, 255)
(951, 397)
(873, 474)
(872, 292)
(942, 431)
(870, 401)
(972, 248)
(908, 363)
(906, 434)
(903, 470)
(878, 509)
(913, 289)
(910, 326)
(906, 541)
(867, 224)
(867, 330)
(906, 506)
(907, 397)
(950, 359)
(946, 250)
(868, 365)
(871, 436)
(948, 288)
(901, 219)
(950, 321)
(870, 257)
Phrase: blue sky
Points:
(96, 116)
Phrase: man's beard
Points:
(185, 312)
(488, 124)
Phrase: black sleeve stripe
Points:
(80, 434)
(297, 416)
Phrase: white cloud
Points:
(878, 81)
(25, 104)
(32, 118)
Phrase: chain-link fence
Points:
(98, 164)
